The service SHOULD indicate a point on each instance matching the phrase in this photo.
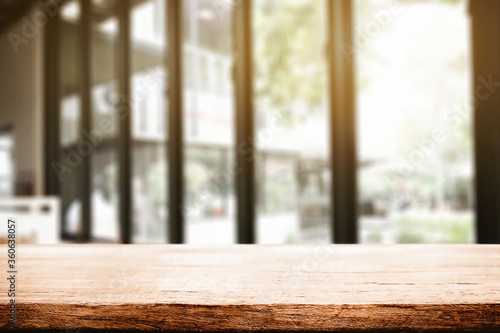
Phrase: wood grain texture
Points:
(245, 287)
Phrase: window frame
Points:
(342, 112)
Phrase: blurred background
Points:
(420, 72)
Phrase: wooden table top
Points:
(255, 287)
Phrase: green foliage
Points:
(433, 228)
(289, 45)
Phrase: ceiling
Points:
(13, 10)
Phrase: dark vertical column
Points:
(52, 111)
(124, 119)
(175, 122)
(86, 120)
(342, 123)
(245, 152)
(486, 100)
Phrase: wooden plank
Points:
(250, 287)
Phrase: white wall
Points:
(21, 97)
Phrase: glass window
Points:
(105, 186)
(209, 122)
(413, 120)
(414, 125)
(70, 125)
(149, 80)
(6, 163)
(291, 121)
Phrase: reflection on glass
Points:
(209, 129)
(70, 126)
(414, 126)
(148, 122)
(104, 120)
(291, 121)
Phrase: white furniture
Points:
(37, 219)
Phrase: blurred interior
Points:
(426, 161)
